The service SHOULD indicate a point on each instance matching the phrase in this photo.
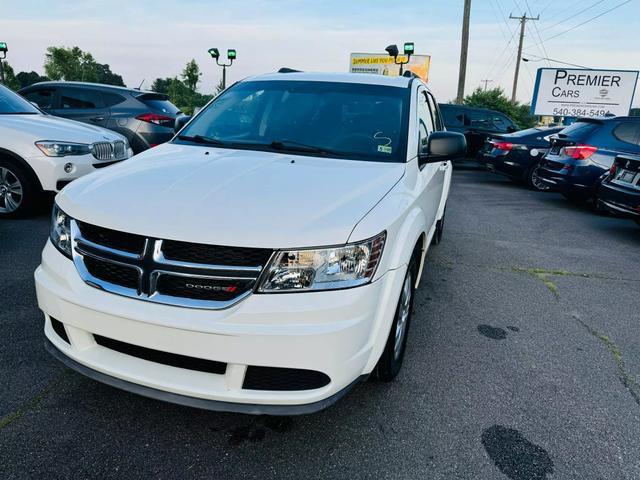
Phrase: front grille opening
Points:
(112, 272)
(215, 254)
(127, 242)
(58, 327)
(202, 288)
(283, 379)
(165, 358)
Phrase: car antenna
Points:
(140, 86)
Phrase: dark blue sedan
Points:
(517, 154)
(581, 155)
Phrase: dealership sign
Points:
(383, 64)
(579, 92)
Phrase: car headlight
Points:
(325, 268)
(61, 231)
(62, 149)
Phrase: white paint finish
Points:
(232, 197)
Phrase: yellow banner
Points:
(383, 64)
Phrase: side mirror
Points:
(443, 146)
(181, 122)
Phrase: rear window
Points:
(578, 130)
(452, 116)
(628, 132)
(111, 99)
(159, 104)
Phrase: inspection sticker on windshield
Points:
(384, 149)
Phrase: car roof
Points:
(467, 107)
(87, 84)
(358, 78)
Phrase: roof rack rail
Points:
(288, 70)
(410, 74)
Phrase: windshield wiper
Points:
(294, 146)
(201, 139)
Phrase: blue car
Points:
(516, 155)
(619, 192)
(581, 155)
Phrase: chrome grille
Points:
(115, 150)
(144, 273)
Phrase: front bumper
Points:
(620, 200)
(339, 333)
(50, 170)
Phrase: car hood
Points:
(232, 197)
(48, 127)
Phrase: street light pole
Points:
(3, 54)
(231, 55)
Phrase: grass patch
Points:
(623, 374)
(33, 402)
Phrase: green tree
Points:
(161, 85)
(29, 78)
(495, 99)
(219, 88)
(10, 76)
(191, 75)
(62, 63)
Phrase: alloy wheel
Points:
(10, 191)
(537, 183)
(404, 311)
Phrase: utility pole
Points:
(464, 48)
(523, 20)
(485, 81)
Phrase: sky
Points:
(146, 39)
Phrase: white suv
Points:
(39, 152)
(263, 261)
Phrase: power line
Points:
(498, 57)
(572, 16)
(543, 49)
(587, 21)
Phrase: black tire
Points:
(437, 235)
(533, 181)
(13, 174)
(390, 361)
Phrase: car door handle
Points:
(96, 119)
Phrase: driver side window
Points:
(425, 120)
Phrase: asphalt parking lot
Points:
(523, 362)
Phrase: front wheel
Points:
(17, 192)
(391, 360)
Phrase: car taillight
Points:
(506, 146)
(580, 152)
(155, 118)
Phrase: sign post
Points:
(576, 92)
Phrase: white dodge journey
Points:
(264, 260)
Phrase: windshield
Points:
(341, 120)
(12, 103)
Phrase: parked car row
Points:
(57, 132)
(593, 160)
(145, 119)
